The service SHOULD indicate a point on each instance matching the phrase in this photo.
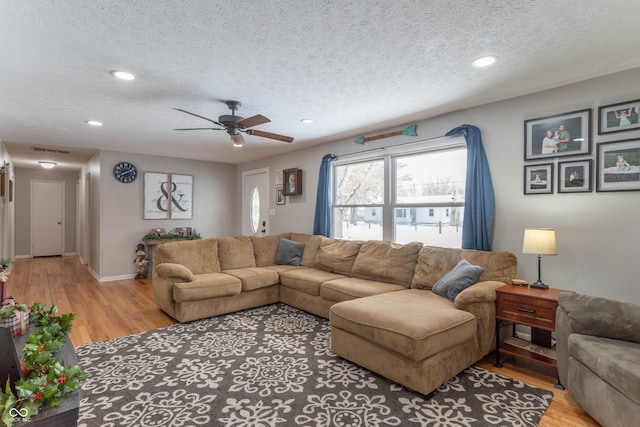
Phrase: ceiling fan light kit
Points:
(234, 125)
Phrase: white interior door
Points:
(47, 213)
(255, 202)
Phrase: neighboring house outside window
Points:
(404, 196)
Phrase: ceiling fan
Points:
(235, 125)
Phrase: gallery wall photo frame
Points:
(292, 182)
(619, 117)
(167, 196)
(567, 134)
(575, 176)
(618, 165)
(538, 179)
(280, 197)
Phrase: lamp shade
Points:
(539, 241)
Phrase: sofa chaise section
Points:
(416, 337)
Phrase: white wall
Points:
(119, 213)
(598, 233)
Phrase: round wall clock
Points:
(125, 172)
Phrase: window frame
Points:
(389, 155)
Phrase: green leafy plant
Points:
(46, 378)
(4, 263)
(169, 236)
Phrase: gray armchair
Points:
(598, 348)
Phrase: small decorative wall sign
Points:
(168, 196)
(409, 130)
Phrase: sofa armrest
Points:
(478, 292)
(179, 271)
(601, 317)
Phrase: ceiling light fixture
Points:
(484, 61)
(307, 121)
(47, 164)
(94, 123)
(123, 75)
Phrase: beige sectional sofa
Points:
(377, 295)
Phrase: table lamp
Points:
(539, 241)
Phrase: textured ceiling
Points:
(353, 66)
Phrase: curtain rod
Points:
(371, 150)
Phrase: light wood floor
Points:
(114, 309)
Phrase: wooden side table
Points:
(531, 307)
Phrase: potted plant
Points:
(45, 379)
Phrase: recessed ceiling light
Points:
(307, 121)
(123, 75)
(484, 61)
(94, 123)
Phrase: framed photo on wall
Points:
(575, 177)
(618, 165)
(292, 182)
(618, 117)
(538, 179)
(280, 198)
(566, 134)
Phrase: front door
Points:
(255, 202)
(47, 227)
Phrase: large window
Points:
(402, 197)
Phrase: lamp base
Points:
(539, 285)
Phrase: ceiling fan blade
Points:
(270, 135)
(198, 129)
(256, 120)
(202, 117)
(238, 140)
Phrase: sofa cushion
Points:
(254, 277)
(614, 361)
(289, 252)
(350, 288)
(337, 256)
(458, 279)
(235, 252)
(435, 262)
(205, 286)
(199, 256)
(411, 322)
(387, 262)
(306, 279)
(265, 248)
(311, 247)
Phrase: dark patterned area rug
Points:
(272, 366)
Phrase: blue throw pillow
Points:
(460, 278)
(289, 252)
